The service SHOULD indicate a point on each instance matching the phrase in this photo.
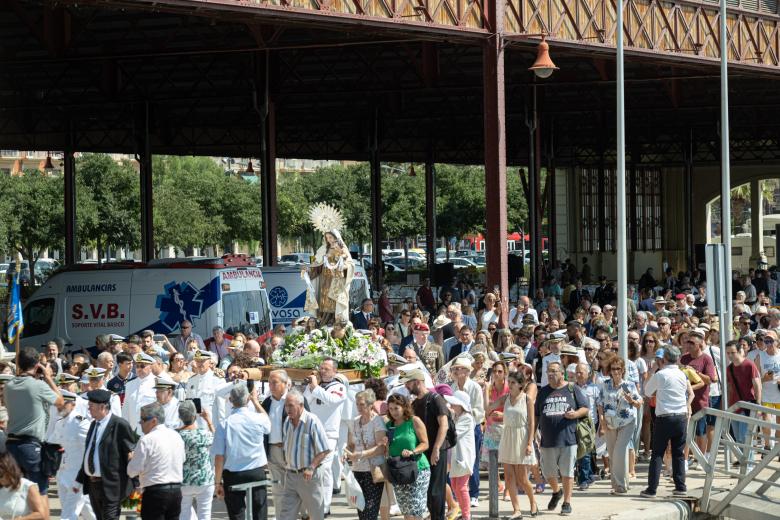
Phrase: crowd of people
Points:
(187, 421)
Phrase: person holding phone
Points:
(28, 398)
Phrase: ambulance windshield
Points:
(245, 312)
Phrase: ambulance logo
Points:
(180, 301)
(278, 296)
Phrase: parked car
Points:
(400, 264)
(295, 259)
(44, 268)
(460, 262)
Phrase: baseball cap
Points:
(412, 375)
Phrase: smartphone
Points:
(159, 337)
(196, 402)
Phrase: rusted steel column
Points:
(71, 247)
(147, 200)
(495, 155)
(268, 187)
(376, 219)
(430, 213)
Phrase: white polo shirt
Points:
(670, 387)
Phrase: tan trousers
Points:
(300, 494)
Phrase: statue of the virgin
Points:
(329, 277)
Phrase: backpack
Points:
(452, 438)
(586, 431)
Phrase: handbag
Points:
(402, 470)
(377, 475)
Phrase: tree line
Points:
(198, 204)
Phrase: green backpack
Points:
(586, 431)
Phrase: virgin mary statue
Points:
(330, 275)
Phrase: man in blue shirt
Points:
(239, 455)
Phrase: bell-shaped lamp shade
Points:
(543, 67)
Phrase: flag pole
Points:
(15, 286)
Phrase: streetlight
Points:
(543, 67)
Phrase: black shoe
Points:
(556, 497)
(535, 512)
(566, 509)
(680, 492)
(647, 493)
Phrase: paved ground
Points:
(593, 504)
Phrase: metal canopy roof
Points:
(81, 76)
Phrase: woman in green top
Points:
(408, 438)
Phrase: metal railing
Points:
(759, 434)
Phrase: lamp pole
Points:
(622, 275)
(725, 204)
(725, 167)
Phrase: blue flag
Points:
(15, 320)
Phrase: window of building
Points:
(598, 209)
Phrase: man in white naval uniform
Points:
(96, 378)
(65, 381)
(70, 432)
(164, 388)
(203, 385)
(139, 392)
(326, 401)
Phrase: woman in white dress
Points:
(19, 497)
(516, 449)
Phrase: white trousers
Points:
(203, 495)
(327, 467)
(74, 504)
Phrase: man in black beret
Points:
(110, 443)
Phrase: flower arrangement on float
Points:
(357, 355)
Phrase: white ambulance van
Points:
(79, 302)
(287, 292)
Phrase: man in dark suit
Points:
(110, 443)
(466, 341)
(360, 319)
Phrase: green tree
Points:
(108, 203)
(346, 188)
(35, 214)
(188, 196)
(460, 200)
(292, 202)
(403, 201)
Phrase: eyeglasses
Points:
(650, 341)
(589, 349)
(769, 340)
(144, 419)
(186, 326)
(602, 340)
(615, 369)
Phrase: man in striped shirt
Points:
(305, 447)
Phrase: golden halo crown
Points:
(325, 218)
